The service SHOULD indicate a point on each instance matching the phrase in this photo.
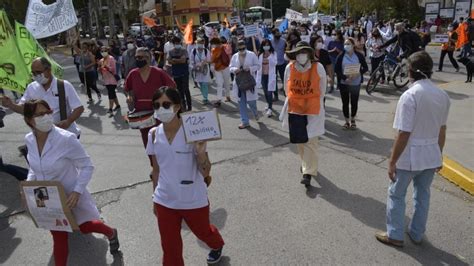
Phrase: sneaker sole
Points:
(215, 262)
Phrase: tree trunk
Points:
(111, 15)
(123, 16)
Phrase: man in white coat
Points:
(241, 62)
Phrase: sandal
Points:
(242, 126)
(353, 124)
(346, 125)
(114, 244)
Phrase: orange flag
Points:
(227, 22)
(149, 22)
(188, 32)
(180, 27)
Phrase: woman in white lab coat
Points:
(55, 154)
(266, 74)
(245, 60)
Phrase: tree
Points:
(279, 7)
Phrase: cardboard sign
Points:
(46, 204)
(293, 15)
(325, 20)
(235, 20)
(352, 69)
(441, 38)
(201, 126)
(250, 31)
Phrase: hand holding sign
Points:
(201, 126)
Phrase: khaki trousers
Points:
(309, 156)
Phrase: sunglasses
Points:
(166, 105)
(241, 48)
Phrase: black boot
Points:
(306, 181)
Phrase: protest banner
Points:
(201, 126)
(293, 15)
(325, 20)
(13, 72)
(46, 20)
(250, 30)
(31, 49)
(46, 204)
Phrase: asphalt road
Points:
(265, 216)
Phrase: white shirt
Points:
(315, 125)
(168, 47)
(177, 163)
(35, 91)
(251, 62)
(64, 159)
(422, 110)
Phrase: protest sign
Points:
(305, 38)
(13, 72)
(441, 38)
(352, 69)
(31, 49)
(313, 17)
(201, 126)
(46, 20)
(446, 12)
(325, 20)
(293, 15)
(235, 20)
(250, 30)
(46, 204)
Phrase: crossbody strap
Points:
(62, 100)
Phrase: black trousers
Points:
(91, 81)
(451, 58)
(280, 71)
(375, 62)
(349, 93)
(182, 83)
(111, 91)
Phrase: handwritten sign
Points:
(46, 203)
(201, 126)
(250, 31)
(441, 38)
(325, 20)
(293, 15)
(352, 69)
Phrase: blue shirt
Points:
(279, 46)
(350, 60)
(335, 44)
(225, 32)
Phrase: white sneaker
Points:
(269, 113)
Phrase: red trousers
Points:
(169, 224)
(61, 245)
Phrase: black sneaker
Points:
(214, 256)
(114, 244)
(306, 180)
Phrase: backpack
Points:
(202, 70)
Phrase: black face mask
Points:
(141, 63)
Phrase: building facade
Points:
(201, 11)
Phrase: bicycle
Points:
(392, 69)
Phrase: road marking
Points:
(458, 174)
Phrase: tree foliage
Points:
(279, 7)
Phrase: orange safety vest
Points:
(450, 45)
(303, 91)
(462, 35)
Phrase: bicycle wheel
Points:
(374, 80)
(400, 76)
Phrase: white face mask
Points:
(200, 46)
(177, 46)
(348, 48)
(44, 123)
(130, 46)
(213, 46)
(319, 46)
(302, 59)
(104, 54)
(41, 79)
(266, 48)
(164, 115)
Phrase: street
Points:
(264, 214)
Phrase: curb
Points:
(458, 174)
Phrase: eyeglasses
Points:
(166, 105)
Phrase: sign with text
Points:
(293, 15)
(446, 12)
(201, 126)
(352, 69)
(250, 30)
(441, 38)
(235, 20)
(46, 20)
(305, 38)
(432, 8)
(325, 20)
(46, 204)
(462, 9)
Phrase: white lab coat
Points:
(197, 59)
(251, 62)
(315, 125)
(64, 159)
(272, 62)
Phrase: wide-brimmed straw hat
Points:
(301, 46)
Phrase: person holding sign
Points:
(350, 69)
(303, 111)
(244, 65)
(180, 191)
(55, 154)
(448, 48)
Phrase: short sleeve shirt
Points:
(180, 184)
(144, 91)
(35, 91)
(422, 110)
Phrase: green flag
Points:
(31, 49)
(13, 72)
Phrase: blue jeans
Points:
(243, 108)
(396, 203)
(268, 94)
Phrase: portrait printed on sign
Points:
(41, 195)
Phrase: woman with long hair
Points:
(266, 74)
